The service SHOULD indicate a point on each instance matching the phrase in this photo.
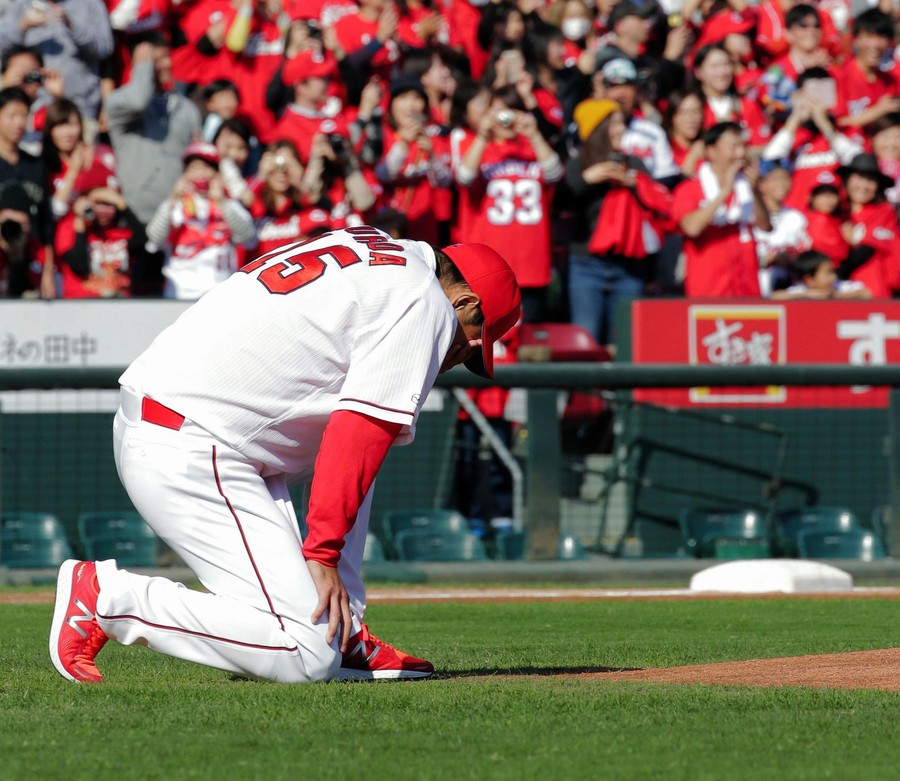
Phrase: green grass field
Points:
(499, 708)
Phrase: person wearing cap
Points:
(643, 138)
(150, 126)
(309, 75)
(415, 165)
(874, 259)
(101, 244)
(198, 226)
(309, 363)
(630, 25)
(22, 256)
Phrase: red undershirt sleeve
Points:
(353, 448)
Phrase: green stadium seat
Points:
(510, 546)
(724, 533)
(34, 553)
(820, 518)
(32, 526)
(122, 535)
(849, 544)
(33, 539)
(395, 521)
(439, 546)
(374, 550)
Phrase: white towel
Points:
(738, 209)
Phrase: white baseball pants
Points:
(237, 531)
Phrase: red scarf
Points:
(623, 213)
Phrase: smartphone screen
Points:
(822, 90)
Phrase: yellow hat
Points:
(590, 113)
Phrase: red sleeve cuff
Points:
(353, 448)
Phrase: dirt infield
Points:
(878, 669)
(857, 670)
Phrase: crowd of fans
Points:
(607, 149)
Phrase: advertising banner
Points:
(719, 333)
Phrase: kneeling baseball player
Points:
(309, 362)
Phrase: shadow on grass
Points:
(490, 672)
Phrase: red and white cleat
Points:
(370, 659)
(75, 636)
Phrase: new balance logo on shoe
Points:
(86, 616)
(75, 636)
(371, 659)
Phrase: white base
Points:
(761, 576)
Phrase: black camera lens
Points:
(35, 77)
(11, 231)
(337, 143)
(89, 214)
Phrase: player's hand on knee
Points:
(333, 598)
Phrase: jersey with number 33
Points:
(351, 320)
(507, 207)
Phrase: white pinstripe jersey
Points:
(351, 320)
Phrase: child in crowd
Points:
(818, 281)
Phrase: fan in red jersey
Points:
(100, 243)
(506, 171)
(281, 213)
(716, 211)
(875, 256)
(415, 164)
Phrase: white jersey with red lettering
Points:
(350, 320)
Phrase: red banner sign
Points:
(791, 332)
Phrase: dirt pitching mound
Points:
(857, 670)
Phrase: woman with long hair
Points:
(713, 71)
(66, 155)
(683, 123)
(281, 212)
(872, 229)
(617, 235)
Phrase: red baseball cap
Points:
(719, 26)
(308, 65)
(488, 276)
(203, 150)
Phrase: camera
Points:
(505, 118)
(336, 142)
(617, 157)
(89, 214)
(35, 77)
(11, 231)
(280, 163)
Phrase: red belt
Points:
(160, 415)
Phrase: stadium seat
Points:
(849, 544)
(123, 536)
(568, 342)
(129, 550)
(34, 553)
(396, 521)
(724, 533)
(374, 550)
(826, 519)
(439, 546)
(32, 526)
(510, 546)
